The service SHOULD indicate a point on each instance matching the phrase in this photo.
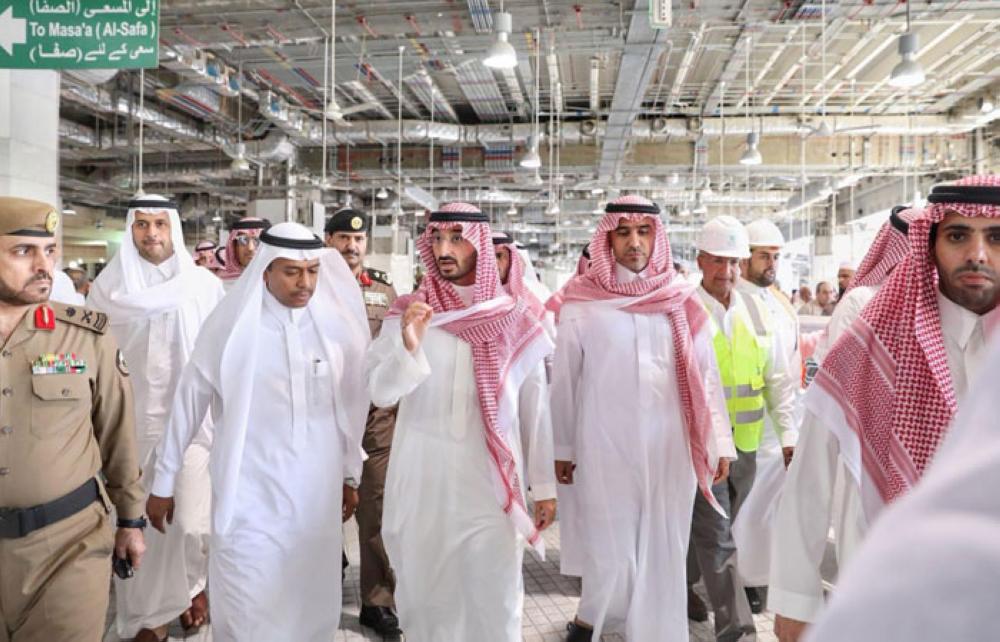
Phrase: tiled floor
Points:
(549, 603)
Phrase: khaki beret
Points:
(24, 217)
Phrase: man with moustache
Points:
(756, 384)
(67, 446)
(157, 299)
(243, 243)
(347, 232)
(465, 362)
(887, 392)
(752, 531)
(640, 425)
(276, 362)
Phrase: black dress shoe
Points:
(754, 597)
(697, 611)
(578, 633)
(379, 618)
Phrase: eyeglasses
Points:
(245, 240)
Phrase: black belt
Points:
(20, 522)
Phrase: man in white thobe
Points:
(887, 250)
(275, 363)
(157, 299)
(640, 424)
(928, 570)
(465, 363)
(887, 392)
(752, 525)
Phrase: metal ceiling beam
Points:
(643, 48)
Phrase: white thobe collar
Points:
(957, 323)
(280, 312)
(465, 292)
(964, 341)
(293, 344)
(625, 275)
(156, 274)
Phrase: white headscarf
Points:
(226, 352)
(121, 289)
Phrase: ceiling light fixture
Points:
(553, 209)
(382, 194)
(908, 73)
(532, 159)
(752, 155)
(501, 54)
(240, 162)
(986, 105)
(512, 211)
(333, 111)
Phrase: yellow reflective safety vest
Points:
(742, 359)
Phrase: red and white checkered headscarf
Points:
(657, 293)
(207, 250)
(886, 252)
(507, 340)
(888, 374)
(515, 280)
(232, 268)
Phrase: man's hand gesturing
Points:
(415, 321)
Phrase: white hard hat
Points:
(764, 233)
(724, 236)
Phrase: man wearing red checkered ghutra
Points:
(640, 426)
(888, 390)
(465, 362)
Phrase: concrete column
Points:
(29, 134)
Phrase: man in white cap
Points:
(888, 391)
(157, 300)
(640, 424)
(756, 384)
(845, 273)
(464, 360)
(752, 530)
(276, 363)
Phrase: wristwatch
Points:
(140, 523)
(350, 482)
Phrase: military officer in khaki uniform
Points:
(67, 451)
(347, 231)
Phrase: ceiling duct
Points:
(100, 100)
(273, 148)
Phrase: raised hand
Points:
(416, 319)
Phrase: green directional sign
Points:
(79, 34)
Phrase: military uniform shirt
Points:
(376, 287)
(59, 429)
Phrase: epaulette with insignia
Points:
(381, 277)
(84, 317)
